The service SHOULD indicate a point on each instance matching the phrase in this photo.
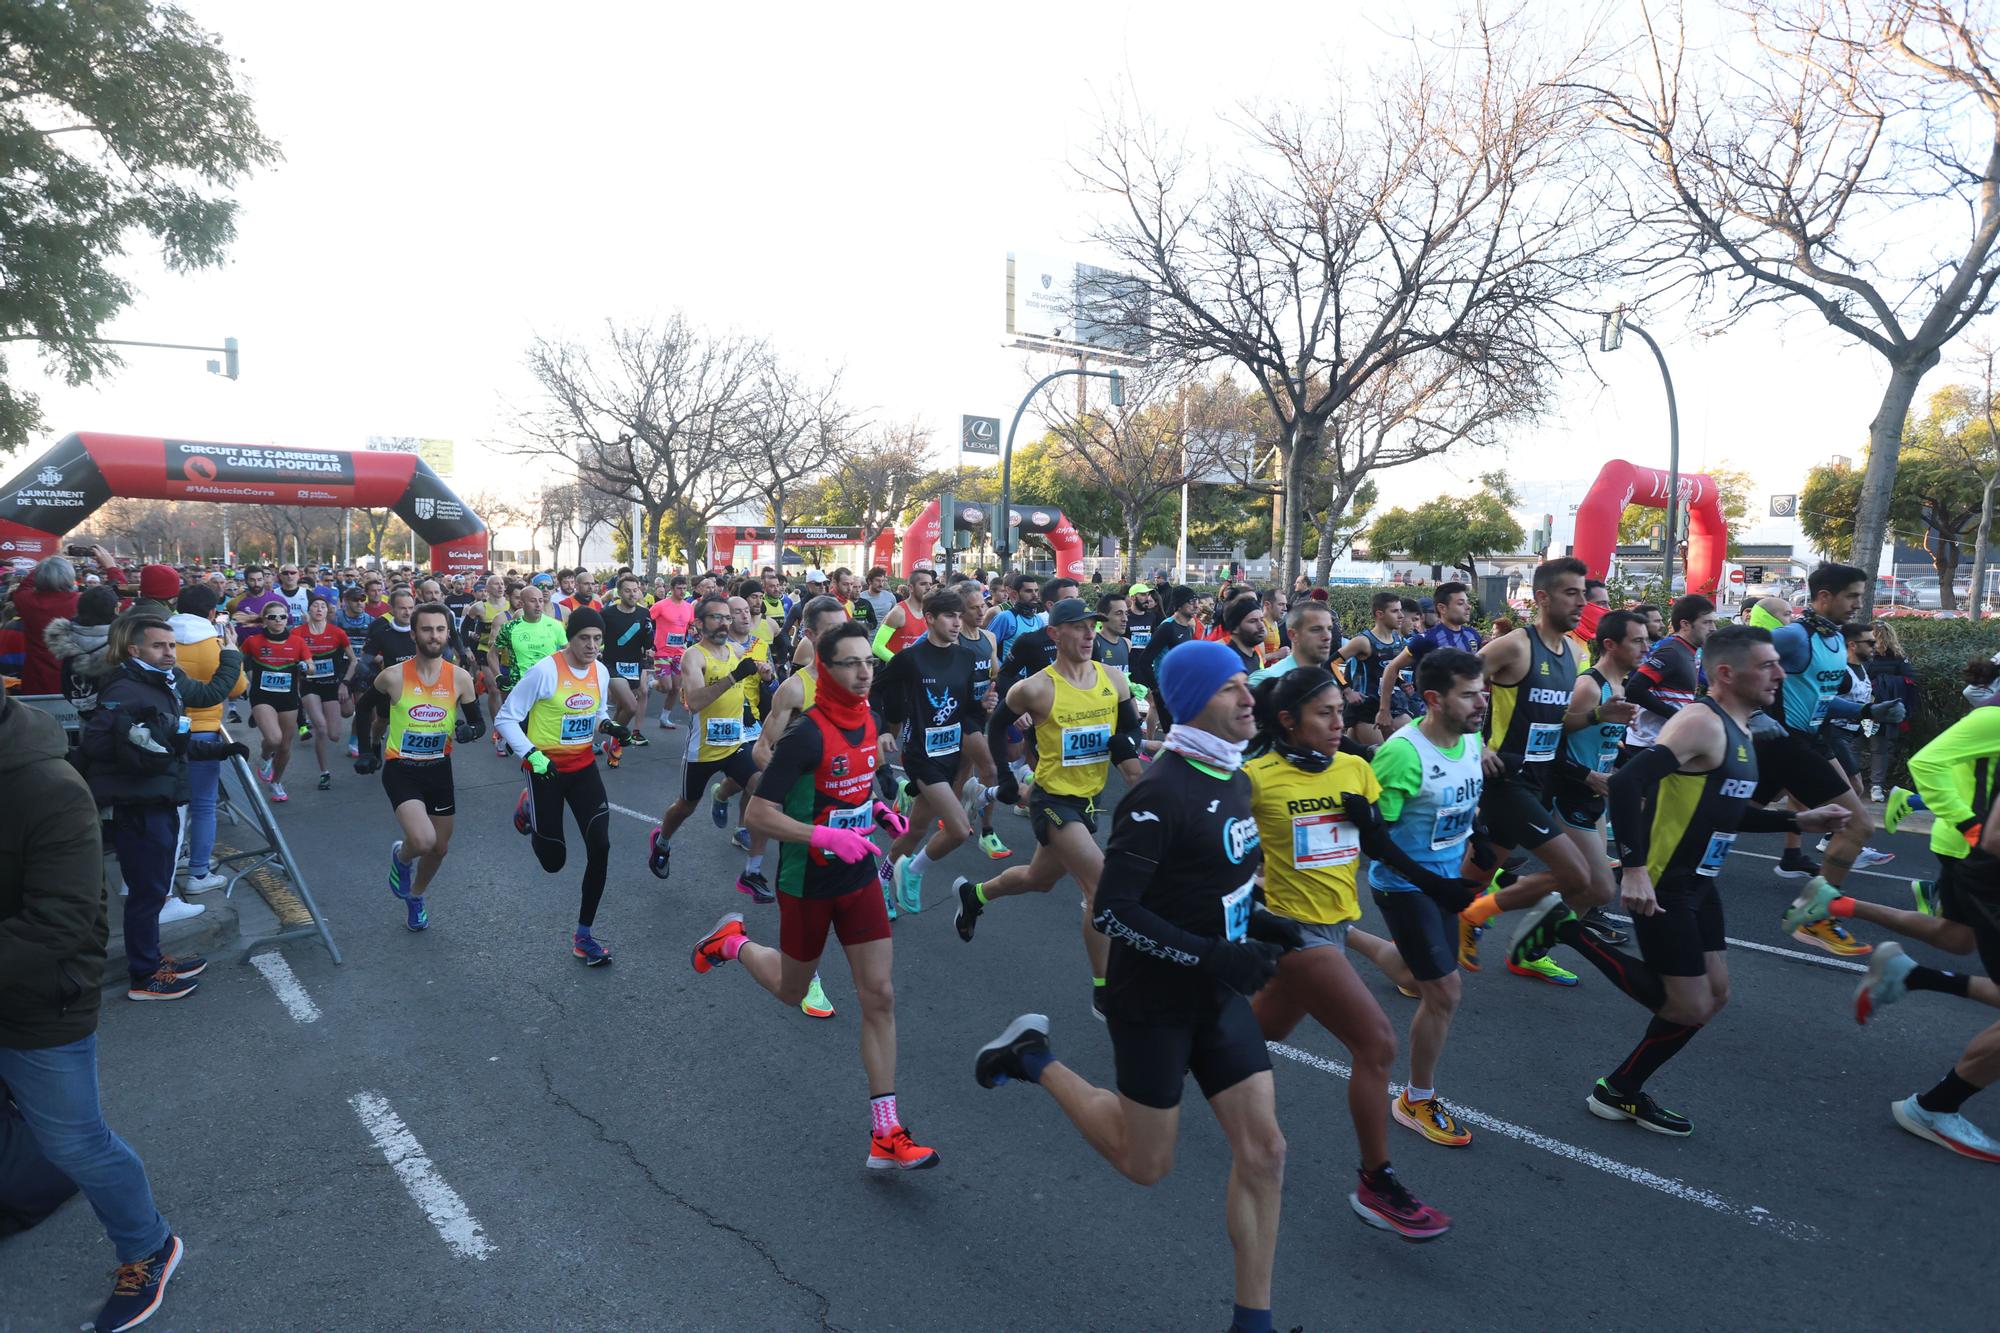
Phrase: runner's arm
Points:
(886, 631)
(797, 754)
(890, 694)
(1390, 675)
(1452, 893)
(1138, 846)
(1933, 769)
(538, 683)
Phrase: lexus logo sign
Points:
(979, 435)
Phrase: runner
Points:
(628, 656)
(818, 800)
(1021, 615)
(904, 624)
(1189, 950)
(1593, 732)
(525, 640)
(1675, 810)
(275, 661)
(1452, 610)
(1670, 677)
(1178, 628)
(712, 688)
(1310, 625)
(1958, 777)
(549, 719)
(1315, 811)
(325, 698)
(1531, 673)
(1367, 655)
(1797, 760)
(1083, 721)
(673, 622)
(389, 642)
(1110, 645)
(928, 700)
(978, 773)
(429, 703)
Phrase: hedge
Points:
(1938, 651)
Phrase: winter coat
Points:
(210, 671)
(79, 653)
(37, 609)
(143, 767)
(52, 914)
(1895, 678)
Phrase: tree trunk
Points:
(1305, 438)
(655, 515)
(778, 531)
(1129, 556)
(1885, 441)
(1982, 548)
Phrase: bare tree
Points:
(647, 416)
(874, 484)
(375, 526)
(1852, 169)
(1983, 355)
(1172, 430)
(1450, 209)
(789, 431)
(557, 511)
(595, 511)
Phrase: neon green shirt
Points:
(1957, 775)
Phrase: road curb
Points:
(214, 932)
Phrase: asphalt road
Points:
(637, 1146)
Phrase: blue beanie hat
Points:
(1191, 673)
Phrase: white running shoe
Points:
(176, 910)
(1870, 857)
(278, 792)
(1946, 1129)
(214, 879)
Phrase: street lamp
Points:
(1003, 540)
(1609, 337)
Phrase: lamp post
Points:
(1609, 337)
(1004, 538)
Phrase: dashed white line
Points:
(290, 993)
(1839, 964)
(1678, 1189)
(627, 810)
(439, 1201)
(1872, 874)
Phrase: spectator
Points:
(1502, 625)
(52, 952)
(1980, 677)
(1892, 677)
(159, 585)
(136, 748)
(48, 595)
(209, 671)
(78, 645)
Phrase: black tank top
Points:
(1694, 815)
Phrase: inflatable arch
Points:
(1620, 484)
(920, 539)
(57, 492)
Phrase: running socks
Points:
(1482, 909)
(1034, 1061)
(979, 892)
(753, 865)
(1937, 979)
(1624, 971)
(882, 1113)
(1414, 1095)
(1950, 1093)
(1662, 1042)
(1247, 1320)
(921, 861)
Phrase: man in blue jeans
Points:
(52, 951)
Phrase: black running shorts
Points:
(738, 767)
(1220, 1050)
(1969, 893)
(1801, 763)
(427, 780)
(1674, 940)
(1047, 813)
(1425, 934)
(1577, 806)
(1515, 815)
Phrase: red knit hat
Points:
(159, 583)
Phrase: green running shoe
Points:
(1897, 808)
(994, 848)
(1926, 894)
(1810, 906)
(816, 1005)
(1542, 969)
(909, 886)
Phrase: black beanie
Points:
(581, 619)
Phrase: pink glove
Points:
(844, 843)
(886, 816)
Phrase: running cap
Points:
(1070, 610)
(1191, 673)
(1138, 588)
(581, 619)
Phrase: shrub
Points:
(1938, 651)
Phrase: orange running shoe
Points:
(708, 953)
(897, 1151)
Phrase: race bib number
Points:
(422, 744)
(858, 818)
(1543, 737)
(677, 640)
(723, 731)
(1085, 745)
(576, 728)
(1236, 912)
(1714, 855)
(275, 682)
(752, 730)
(1142, 636)
(1324, 840)
(627, 670)
(1452, 826)
(321, 668)
(1820, 707)
(939, 741)
(1607, 751)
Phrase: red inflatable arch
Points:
(1620, 484)
(57, 492)
(920, 539)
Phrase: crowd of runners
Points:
(850, 738)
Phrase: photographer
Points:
(136, 748)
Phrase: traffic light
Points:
(232, 365)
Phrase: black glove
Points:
(617, 731)
(1244, 965)
(1457, 895)
(1006, 788)
(744, 669)
(1271, 928)
(471, 723)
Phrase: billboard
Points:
(1051, 299)
(439, 454)
(979, 435)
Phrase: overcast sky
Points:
(844, 180)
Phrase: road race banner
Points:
(58, 492)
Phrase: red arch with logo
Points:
(58, 492)
(920, 539)
(1620, 484)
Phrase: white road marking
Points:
(626, 810)
(290, 993)
(1873, 874)
(1636, 1175)
(439, 1201)
(1839, 964)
